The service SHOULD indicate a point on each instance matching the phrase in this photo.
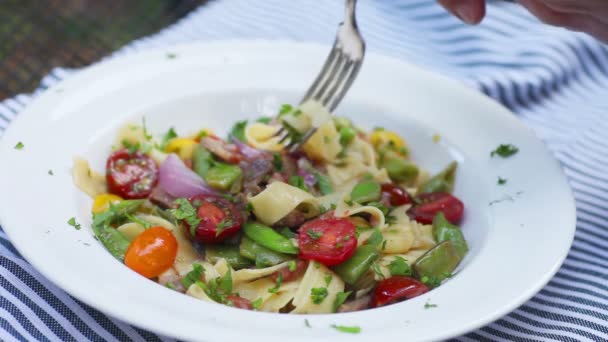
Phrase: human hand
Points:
(590, 16)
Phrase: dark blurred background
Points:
(37, 35)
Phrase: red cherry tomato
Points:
(395, 289)
(152, 252)
(432, 203)
(396, 194)
(329, 241)
(239, 302)
(288, 275)
(131, 175)
(216, 214)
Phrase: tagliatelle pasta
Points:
(347, 223)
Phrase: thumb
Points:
(469, 11)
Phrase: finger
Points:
(596, 9)
(572, 21)
(469, 11)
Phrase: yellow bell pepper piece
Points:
(381, 138)
(102, 202)
(182, 146)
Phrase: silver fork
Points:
(338, 73)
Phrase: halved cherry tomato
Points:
(396, 194)
(288, 275)
(329, 241)
(395, 289)
(432, 203)
(131, 175)
(239, 302)
(217, 214)
(152, 252)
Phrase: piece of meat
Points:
(293, 220)
(289, 166)
(356, 304)
(255, 173)
(162, 198)
(221, 149)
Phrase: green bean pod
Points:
(269, 238)
(231, 254)
(357, 265)
(366, 191)
(398, 168)
(445, 231)
(262, 256)
(201, 161)
(223, 176)
(441, 182)
(437, 263)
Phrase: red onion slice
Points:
(179, 181)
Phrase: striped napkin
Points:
(554, 80)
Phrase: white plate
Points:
(517, 243)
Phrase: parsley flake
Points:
(399, 267)
(256, 304)
(72, 222)
(19, 146)
(223, 224)
(505, 150)
(376, 268)
(314, 235)
(340, 299)
(328, 278)
(171, 55)
(502, 181)
(298, 182)
(51, 173)
(318, 294)
(277, 161)
(307, 323)
(345, 329)
(324, 184)
(428, 305)
(167, 137)
(291, 264)
(286, 108)
(277, 285)
(186, 212)
(193, 276)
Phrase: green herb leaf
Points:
(345, 329)
(238, 130)
(193, 276)
(399, 267)
(376, 238)
(307, 323)
(51, 172)
(380, 206)
(314, 235)
(340, 299)
(185, 211)
(264, 120)
(291, 265)
(428, 305)
(504, 150)
(226, 282)
(19, 146)
(286, 232)
(324, 184)
(318, 294)
(167, 137)
(431, 281)
(501, 181)
(223, 224)
(277, 285)
(131, 148)
(376, 268)
(72, 222)
(298, 182)
(277, 161)
(328, 279)
(256, 304)
(171, 55)
(286, 108)
(145, 129)
(139, 221)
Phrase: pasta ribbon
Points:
(279, 199)
(262, 136)
(316, 277)
(87, 180)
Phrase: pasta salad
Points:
(347, 223)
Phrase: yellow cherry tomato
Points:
(381, 138)
(102, 202)
(182, 146)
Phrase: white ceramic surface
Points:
(519, 233)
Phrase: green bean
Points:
(347, 134)
(113, 240)
(437, 263)
(342, 122)
(366, 191)
(357, 265)
(262, 256)
(441, 182)
(445, 231)
(398, 168)
(201, 161)
(269, 238)
(223, 176)
(238, 130)
(231, 253)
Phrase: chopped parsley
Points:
(318, 294)
(50, 173)
(167, 137)
(384, 244)
(502, 181)
(376, 238)
(328, 279)
(139, 221)
(249, 206)
(171, 55)
(314, 235)
(277, 285)
(223, 224)
(297, 112)
(345, 329)
(298, 182)
(218, 288)
(376, 268)
(170, 286)
(186, 212)
(428, 305)
(380, 206)
(131, 148)
(399, 267)
(256, 304)
(286, 232)
(504, 150)
(72, 222)
(193, 276)
(324, 184)
(340, 299)
(348, 202)
(145, 129)
(238, 130)
(286, 108)
(19, 146)
(431, 281)
(291, 265)
(277, 161)
(307, 323)
(264, 120)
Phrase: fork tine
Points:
(337, 82)
(333, 102)
(328, 62)
(335, 66)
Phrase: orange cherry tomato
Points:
(152, 252)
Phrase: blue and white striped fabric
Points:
(555, 81)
